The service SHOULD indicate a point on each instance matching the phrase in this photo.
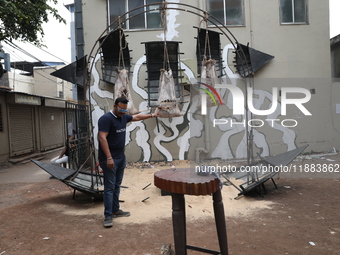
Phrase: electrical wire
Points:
(22, 50)
(49, 53)
(18, 48)
(10, 50)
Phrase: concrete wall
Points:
(21, 83)
(302, 59)
(50, 86)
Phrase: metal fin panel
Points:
(285, 158)
(249, 60)
(73, 72)
(59, 172)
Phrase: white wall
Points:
(21, 83)
(50, 86)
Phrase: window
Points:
(228, 12)
(141, 18)
(293, 11)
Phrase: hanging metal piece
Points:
(209, 60)
(249, 60)
(73, 72)
(122, 83)
(214, 49)
(154, 52)
(122, 89)
(167, 102)
(116, 54)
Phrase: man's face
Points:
(120, 109)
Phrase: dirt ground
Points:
(39, 216)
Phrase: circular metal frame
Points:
(164, 6)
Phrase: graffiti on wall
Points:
(172, 136)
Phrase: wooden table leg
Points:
(179, 223)
(220, 222)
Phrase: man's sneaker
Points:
(108, 223)
(121, 213)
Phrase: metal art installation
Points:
(161, 55)
(163, 70)
(249, 60)
(73, 72)
(122, 84)
(78, 180)
(209, 59)
(255, 179)
(167, 101)
(116, 65)
(81, 174)
(115, 54)
(122, 89)
(209, 46)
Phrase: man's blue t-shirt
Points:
(116, 128)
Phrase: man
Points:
(111, 136)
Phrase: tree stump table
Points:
(185, 181)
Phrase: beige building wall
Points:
(301, 59)
(51, 86)
(21, 83)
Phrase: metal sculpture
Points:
(111, 59)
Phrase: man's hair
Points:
(122, 100)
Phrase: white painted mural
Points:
(176, 143)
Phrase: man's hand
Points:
(105, 147)
(110, 163)
(156, 113)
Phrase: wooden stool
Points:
(186, 181)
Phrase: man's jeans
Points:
(112, 181)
